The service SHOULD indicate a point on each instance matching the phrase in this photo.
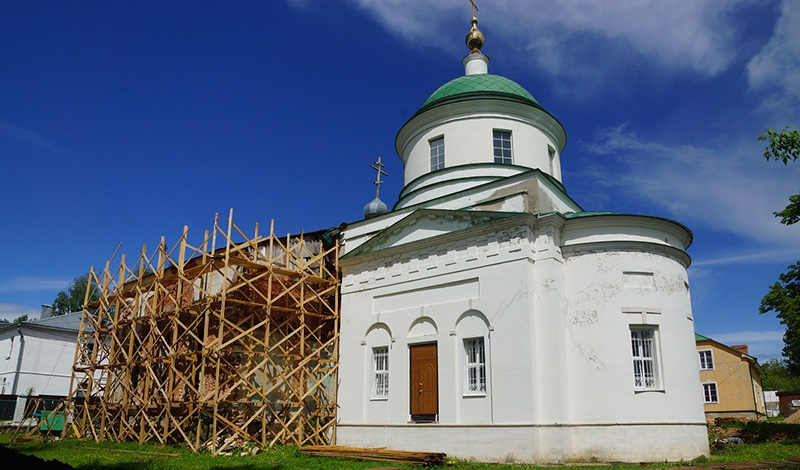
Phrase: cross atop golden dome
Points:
(475, 39)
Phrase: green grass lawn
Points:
(75, 453)
(107, 456)
(765, 440)
(758, 452)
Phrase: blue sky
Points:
(121, 122)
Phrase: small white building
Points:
(488, 316)
(36, 357)
(772, 403)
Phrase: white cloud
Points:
(562, 37)
(21, 284)
(28, 137)
(776, 68)
(747, 337)
(764, 345)
(753, 257)
(300, 4)
(11, 311)
(726, 189)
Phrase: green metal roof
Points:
(481, 83)
(578, 215)
(699, 337)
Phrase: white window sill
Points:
(649, 390)
(378, 398)
(474, 395)
(711, 403)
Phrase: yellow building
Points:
(731, 381)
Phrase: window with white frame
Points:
(475, 365)
(502, 146)
(710, 393)
(645, 365)
(380, 372)
(437, 153)
(706, 360)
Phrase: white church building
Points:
(488, 316)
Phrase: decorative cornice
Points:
(595, 247)
(530, 221)
(417, 183)
(523, 425)
(534, 172)
(511, 220)
(678, 230)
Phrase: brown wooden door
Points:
(424, 380)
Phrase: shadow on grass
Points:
(761, 431)
(11, 458)
(161, 466)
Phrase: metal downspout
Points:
(753, 388)
(19, 360)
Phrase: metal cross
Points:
(474, 7)
(379, 167)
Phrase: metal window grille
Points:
(710, 393)
(380, 361)
(502, 146)
(437, 154)
(476, 365)
(7, 408)
(644, 364)
(706, 360)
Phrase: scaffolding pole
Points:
(211, 346)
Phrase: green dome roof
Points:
(479, 84)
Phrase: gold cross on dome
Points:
(379, 167)
(474, 7)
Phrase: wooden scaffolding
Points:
(213, 345)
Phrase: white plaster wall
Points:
(560, 378)
(450, 294)
(537, 444)
(604, 297)
(9, 355)
(468, 139)
(46, 362)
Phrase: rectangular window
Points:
(645, 371)
(380, 371)
(475, 366)
(706, 360)
(710, 393)
(437, 153)
(502, 146)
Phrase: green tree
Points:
(777, 376)
(71, 299)
(783, 297)
(784, 146)
(19, 319)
